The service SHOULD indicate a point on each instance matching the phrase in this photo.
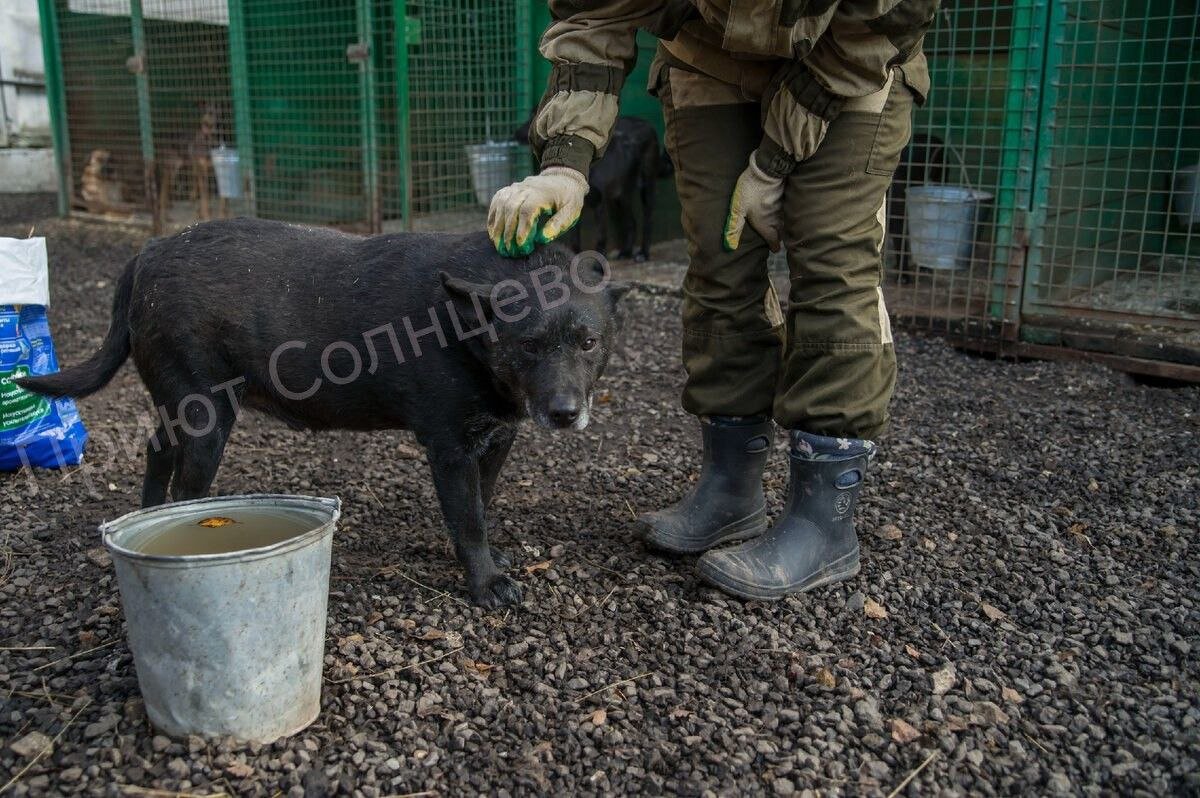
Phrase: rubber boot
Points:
(813, 542)
(726, 503)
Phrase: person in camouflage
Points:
(785, 121)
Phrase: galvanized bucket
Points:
(226, 168)
(229, 641)
(941, 224)
(493, 166)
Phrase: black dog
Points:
(432, 333)
(630, 167)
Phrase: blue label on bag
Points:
(34, 431)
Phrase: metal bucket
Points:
(227, 640)
(493, 166)
(941, 224)
(229, 177)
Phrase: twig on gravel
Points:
(595, 564)
(421, 794)
(400, 669)
(582, 698)
(27, 648)
(601, 603)
(911, 775)
(1045, 750)
(394, 570)
(367, 487)
(76, 654)
(130, 789)
(631, 510)
(45, 749)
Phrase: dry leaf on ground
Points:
(874, 609)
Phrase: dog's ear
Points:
(469, 297)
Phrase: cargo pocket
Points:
(892, 132)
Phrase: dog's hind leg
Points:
(600, 209)
(458, 482)
(490, 464)
(160, 462)
(202, 435)
(648, 187)
(626, 225)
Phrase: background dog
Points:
(630, 167)
(327, 330)
(191, 149)
(99, 187)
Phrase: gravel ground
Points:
(1025, 621)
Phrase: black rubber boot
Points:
(813, 542)
(726, 503)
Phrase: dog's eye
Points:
(530, 347)
(589, 344)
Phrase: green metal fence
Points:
(1065, 136)
(1046, 206)
(356, 113)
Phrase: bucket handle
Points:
(962, 169)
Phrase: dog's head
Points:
(98, 160)
(555, 321)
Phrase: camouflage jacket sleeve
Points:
(592, 47)
(848, 49)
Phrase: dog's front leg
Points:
(458, 484)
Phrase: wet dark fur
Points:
(213, 303)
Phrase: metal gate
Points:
(1047, 205)
(354, 113)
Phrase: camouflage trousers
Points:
(829, 366)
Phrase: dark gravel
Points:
(1028, 531)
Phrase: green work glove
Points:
(536, 210)
(757, 199)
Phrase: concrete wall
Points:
(26, 114)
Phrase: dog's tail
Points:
(94, 373)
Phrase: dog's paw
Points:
(641, 257)
(501, 558)
(499, 591)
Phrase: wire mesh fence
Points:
(355, 113)
(1049, 195)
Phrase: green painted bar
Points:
(56, 95)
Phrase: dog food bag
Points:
(34, 431)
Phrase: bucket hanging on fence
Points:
(229, 176)
(225, 600)
(493, 166)
(941, 224)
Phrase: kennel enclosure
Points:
(352, 113)
(1079, 120)
(1055, 165)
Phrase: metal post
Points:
(243, 131)
(138, 65)
(56, 95)
(1048, 79)
(1018, 156)
(368, 113)
(403, 155)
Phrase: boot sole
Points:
(751, 526)
(844, 567)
